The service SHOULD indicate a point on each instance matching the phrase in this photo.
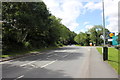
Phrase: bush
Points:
(117, 47)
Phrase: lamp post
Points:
(103, 22)
(105, 49)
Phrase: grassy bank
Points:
(112, 57)
(28, 51)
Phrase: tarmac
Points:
(100, 68)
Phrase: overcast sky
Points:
(81, 15)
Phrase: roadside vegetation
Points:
(17, 53)
(93, 36)
(30, 26)
(113, 55)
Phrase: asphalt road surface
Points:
(66, 62)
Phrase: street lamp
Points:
(103, 22)
(105, 49)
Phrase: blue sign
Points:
(114, 41)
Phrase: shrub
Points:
(117, 47)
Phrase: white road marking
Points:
(50, 55)
(60, 51)
(33, 65)
(19, 77)
(65, 56)
(27, 63)
(48, 64)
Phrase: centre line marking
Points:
(48, 64)
(27, 63)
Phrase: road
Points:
(66, 62)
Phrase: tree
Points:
(31, 26)
(82, 38)
(92, 35)
(24, 22)
(95, 34)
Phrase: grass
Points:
(27, 52)
(99, 50)
(78, 45)
(112, 58)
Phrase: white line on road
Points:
(27, 63)
(48, 64)
(65, 56)
(19, 77)
(50, 56)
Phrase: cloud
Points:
(67, 10)
(93, 6)
(85, 23)
(88, 26)
(81, 30)
(70, 10)
(111, 12)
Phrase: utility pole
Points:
(105, 49)
(103, 22)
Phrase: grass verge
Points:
(27, 52)
(112, 58)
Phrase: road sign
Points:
(114, 41)
(110, 39)
(111, 34)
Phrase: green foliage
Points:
(82, 39)
(92, 35)
(95, 34)
(30, 26)
(117, 47)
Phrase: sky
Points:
(81, 15)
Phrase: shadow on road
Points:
(11, 70)
(17, 71)
(58, 54)
(63, 56)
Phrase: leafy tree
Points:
(82, 38)
(24, 22)
(31, 26)
(92, 35)
(95, 34)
